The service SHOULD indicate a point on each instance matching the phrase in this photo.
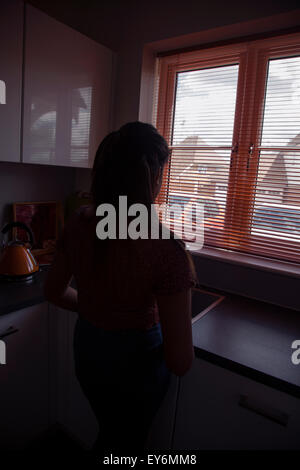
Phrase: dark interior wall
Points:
(25, 182)
(249, 281)
(116, 23)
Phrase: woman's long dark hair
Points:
(127, 163)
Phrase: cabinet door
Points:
(69, 406)
(24, 377)
(67, 93)
(209, 415)
(161, 432)
(11, 40)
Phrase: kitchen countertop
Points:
(246, 336)
(17, 295)
(253, 339)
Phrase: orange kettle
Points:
(16, 260)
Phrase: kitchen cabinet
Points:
(11, 43)
(67, 93)
(209, 408)
(69, 407)
(219, 409)
(24, 392)
(161, 433)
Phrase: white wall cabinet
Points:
(209, 415)
(24, 387)
(11, 43)
(67, 93)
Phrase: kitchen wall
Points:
(248, 280)
(25, 182)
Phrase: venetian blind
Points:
(231, 116)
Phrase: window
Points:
(231, 116)
(2, 92)
(81, 123)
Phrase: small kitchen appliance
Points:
(17, 263)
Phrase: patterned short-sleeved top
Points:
(130, 274)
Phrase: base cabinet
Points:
(218, 409)
(210, 408)
(161, 432)
(24, 386)
(69, 407)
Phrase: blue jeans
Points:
(124, 377)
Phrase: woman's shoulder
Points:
(172, 251)
(174, 267)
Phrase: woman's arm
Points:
(57, 289)
(176, 323)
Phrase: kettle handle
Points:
(11, 225)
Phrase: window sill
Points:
(250, 261)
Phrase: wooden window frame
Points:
(252, 57)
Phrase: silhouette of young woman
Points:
(132, 298)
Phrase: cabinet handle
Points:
(10, 331)
(251, 404)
